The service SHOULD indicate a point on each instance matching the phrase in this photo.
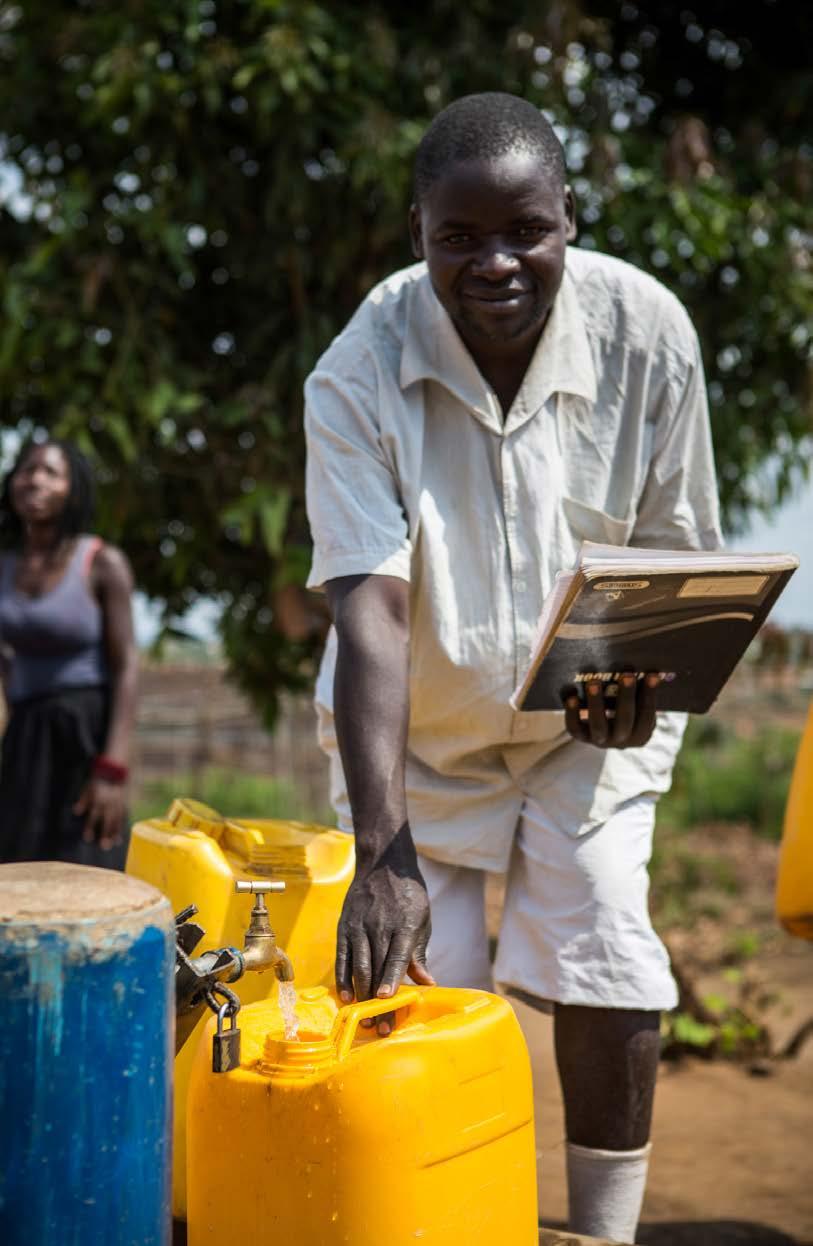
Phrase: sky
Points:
(790, 531)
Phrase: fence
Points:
(191, 717)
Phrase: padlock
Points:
(226, 1043)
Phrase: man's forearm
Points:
(371, 705)
(385, 924)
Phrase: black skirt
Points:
(47, 753)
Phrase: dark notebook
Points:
(689, 615)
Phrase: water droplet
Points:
(335, 1217)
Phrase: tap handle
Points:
(255, 887)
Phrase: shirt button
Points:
(520, 586)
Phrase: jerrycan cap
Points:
(192, 815)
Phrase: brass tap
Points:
(260, 950)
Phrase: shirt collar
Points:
(433, 350)
(562, 361)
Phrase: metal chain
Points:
(232, 1000)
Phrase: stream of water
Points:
(287, 1003)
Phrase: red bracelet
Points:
(109, 770)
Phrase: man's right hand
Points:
(384, 927)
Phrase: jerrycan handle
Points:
(349, 1018)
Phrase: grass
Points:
(722, 776)
(687, 884)
(231, 792)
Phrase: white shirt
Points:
(412, 472)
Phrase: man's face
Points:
(493, 234)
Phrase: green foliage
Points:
(681, 1027)
(732, 1034)
(723, 777)
(231, 793)
(727, 1028)
(742, 945)
(208, 187)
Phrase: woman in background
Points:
(69, 666)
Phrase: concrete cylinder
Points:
(86, 1048)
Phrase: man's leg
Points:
(576, 932)
(608, 1061)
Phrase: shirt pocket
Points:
(589, 524)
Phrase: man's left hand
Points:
(626, 722)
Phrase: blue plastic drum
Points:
(86, 1050)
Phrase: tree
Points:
(198, 194)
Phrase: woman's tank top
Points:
(56, 641)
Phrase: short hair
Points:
(80, 506)
(483, 127)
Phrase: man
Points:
(483, 412)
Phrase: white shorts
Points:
(575, 926)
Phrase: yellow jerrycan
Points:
(343, 1137)
(794, 883)
(194, 856)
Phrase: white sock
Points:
(605, 1191)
